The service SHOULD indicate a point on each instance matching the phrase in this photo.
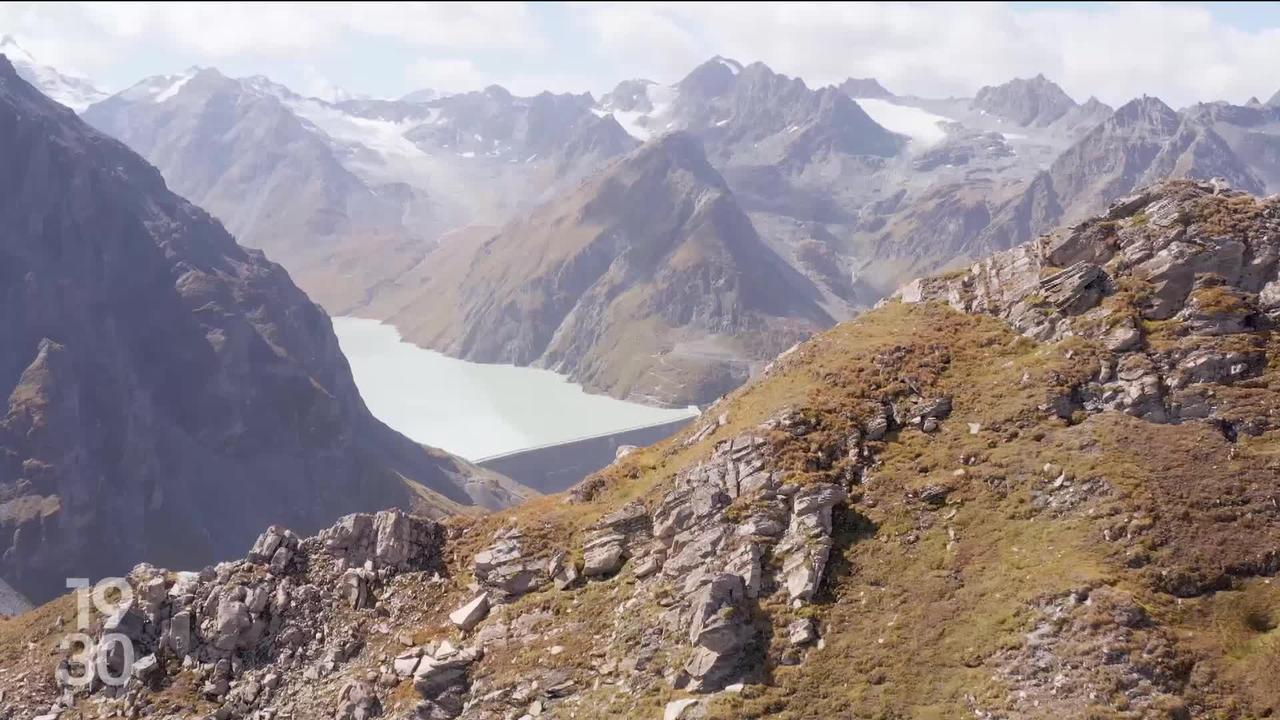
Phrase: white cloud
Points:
(218, 30)
(455, 75)
(1180, 52)
(447, 75)
(643, 41)
(317, 85)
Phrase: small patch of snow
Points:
(921, 126)
(384, 137)
(173, 88)
(734, 67)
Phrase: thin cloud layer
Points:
(1180, 52)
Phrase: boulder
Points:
(389, 539)
(358, 701)
(801, 633)
(355, 588)
(471, 613)
(683, 709)
(435, 675)
(233, 619)
(718, 631)
(603, 554)
(505, 573)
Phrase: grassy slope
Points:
(922, 604)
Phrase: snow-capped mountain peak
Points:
(76, 93)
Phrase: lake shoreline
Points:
(479, 410)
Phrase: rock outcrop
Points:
(1168, 280)
(1025, 101)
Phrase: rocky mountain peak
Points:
(497, 92)
(424, 95)
(74, 92)
(1093, 103)
(679, 149)
(629, 96)
(1275, 100)
(1146, 112)
(711, 79)
(9, 46)
(1034, 101)
(864, 88)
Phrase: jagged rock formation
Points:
(166, 392)
(647, 282)
(988, 499)
(864, 88)
(1197, 254)
(1145, 141)
(1025, 101)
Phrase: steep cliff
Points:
(165, 391)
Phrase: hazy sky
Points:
(1181, 52)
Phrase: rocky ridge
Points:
(1199, 256)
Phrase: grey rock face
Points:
(251, 641)
(1035, 101)
(1166, 244)
(167, 393)
(470, 614)
(388, 539)
(505, 572)
(603, 554)
(718, 632)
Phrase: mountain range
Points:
(855, 189)
(166, 391)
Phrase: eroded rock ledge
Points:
(1178, 283)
